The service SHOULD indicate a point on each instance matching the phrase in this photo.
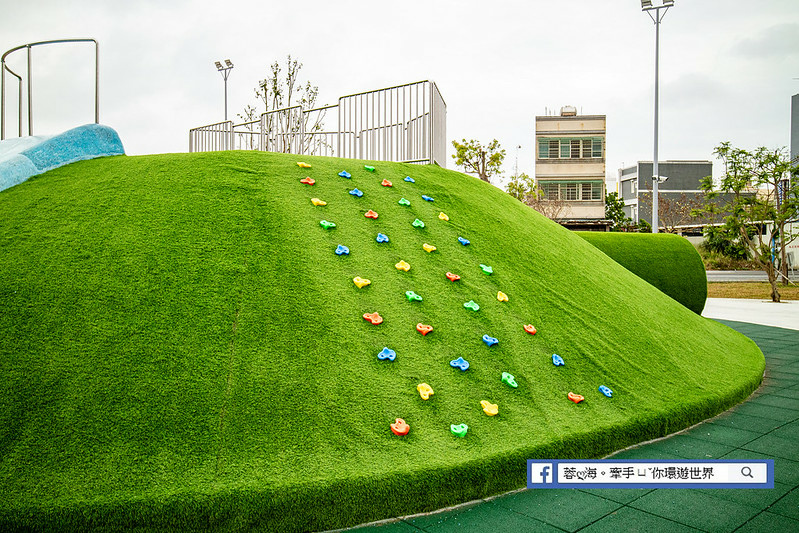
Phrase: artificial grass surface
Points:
(181, 347)
(669, 262)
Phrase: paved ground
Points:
(741, 275)
(764, 427)
(764, 312)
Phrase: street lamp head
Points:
(668, 3)
(219, 66)
(230, 65)
(646, 3)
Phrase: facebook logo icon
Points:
(540, 474)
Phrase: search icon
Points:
(747, 472)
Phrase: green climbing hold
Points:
(459, 430)
(509, 380)
(403, 201)
(418, 223)
(412, 296)
(471, 304)
(327, 225)
(487, 269)
(370, 169)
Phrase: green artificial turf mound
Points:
(183, 348)
(669, 262)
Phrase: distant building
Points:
(795, 129)
(682, 185)
(570, 166)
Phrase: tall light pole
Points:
(225, 71)
(655, 14)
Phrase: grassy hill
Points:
(180, 347)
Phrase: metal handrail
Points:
(28, 46)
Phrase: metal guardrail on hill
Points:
(405, 123)
(4, 68)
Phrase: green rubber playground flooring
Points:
(766, 426)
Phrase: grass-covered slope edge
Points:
(182, 347)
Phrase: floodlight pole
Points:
(646, 5)
(225, 71)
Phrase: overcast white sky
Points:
(727, 68)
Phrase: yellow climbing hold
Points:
(428, 248)
(361, 282)
(502, 297)
(425, 390)
(402, 265)
(443, 216)
(317, 201)
(489, 408)
(303, 165)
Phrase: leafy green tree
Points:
(761, 201)
(614, 210)
(476, 159)
(520, 187)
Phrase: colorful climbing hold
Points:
(386, 183)
(606, 391)
(453, 277)
(491, 409)
(461, 363)
(509, 380)
(463, 241)
(529, 328)
(471, 304)
(501, 296)
(361, 282)
(557, 360)
(369, 168)
(412, 296)
(427, 198)
(400, 427)
(425, 390)
(345, 174)
(428, 248)
(409, 179)
(327, 225)
(356, 192)
(424, 329)
(459, 430)
(308, 180)
(443, 216)
(382, 237)
(387, 353)
(303, 165)
(370, 214)
(317, 201)
(490, 341)
(374, 318)
(342, 250)
(402, 265)
(417, 223)
(576, 398)
(403, 201)
(487, 269)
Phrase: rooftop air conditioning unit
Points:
(568, 111)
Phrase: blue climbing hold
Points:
(463, 241)
(410, 179)
(356, 192)
(342, 250)
(460, 362)
(557, 360)
(345, 174)
(606, 391)
(386, 353)
(490, 341)
(427, 198)
(382, 237)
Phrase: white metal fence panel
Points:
(212, 137)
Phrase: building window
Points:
(572, 190)
(570, 148)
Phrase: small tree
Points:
(614, 210)
(676, 211)
(552, 208)
(520, 186)
(762, 199)
(475, 159)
